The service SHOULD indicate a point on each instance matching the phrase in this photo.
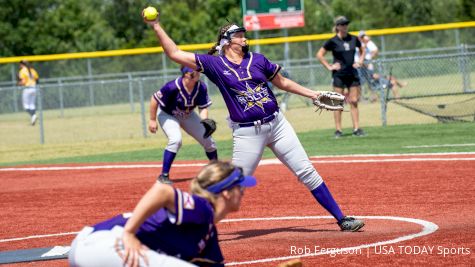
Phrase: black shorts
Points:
(348, 80)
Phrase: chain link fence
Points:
(107, 98)
(440, 86)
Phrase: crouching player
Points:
(168, 227)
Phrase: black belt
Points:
(258, 122)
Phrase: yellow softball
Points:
(150, 13)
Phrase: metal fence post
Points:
(464, 69)
(286, 49)
(382, 94)
(462, 63)
(310, 59)
(15, 93)
(131, 93)
(142, 108)
(15, 98)
(39, 99)
(91, 89)
(383, 47)
(164, 63)
(256, 37)
(384, 106)
(61, 98)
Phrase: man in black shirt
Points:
(343, 46)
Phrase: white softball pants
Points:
(98, 250)
(28, 98)
(192, 125)
(280, 137)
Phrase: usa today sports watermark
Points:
(442, 251)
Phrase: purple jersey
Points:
(175, 100)
(188, 234)
(244, 87)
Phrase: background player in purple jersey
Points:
(177, 100)
(168, 227)
(242, 77)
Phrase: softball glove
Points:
(330, 101)
(210, 127)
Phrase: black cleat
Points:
(350, 224)
(358, 132)
(164, 178)
(338, 134)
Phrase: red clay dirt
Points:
(438, 189)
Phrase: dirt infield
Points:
(417, 208)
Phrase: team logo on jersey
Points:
(252, 97)
(188, 201)
(346, 46)
(183, 114)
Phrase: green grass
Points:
(379, 140)
(115, 132)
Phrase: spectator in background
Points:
(367, 70)
(344, 70)
(386, 82)
(371, 50)
(395, 85)
(28, 78)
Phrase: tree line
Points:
(32, 27)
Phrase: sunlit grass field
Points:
(114, 133)
(98, 130)
(419, 138)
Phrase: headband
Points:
(234, 179)
(186, 69)
(227, 37)
(232, 30)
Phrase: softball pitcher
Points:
(177, 100)
(169, 227)
(242, 77)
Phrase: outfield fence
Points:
(433, 65)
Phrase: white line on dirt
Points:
(390, 160)
(35, 237)
(262, 162)
(442, 145)
(428, 228)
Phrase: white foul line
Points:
(36, 236)
(261, 163)
(396, 155)
(98, 167)
(428, 228)
(443, 145)
(389, 160)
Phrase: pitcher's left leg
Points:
(287, 147)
